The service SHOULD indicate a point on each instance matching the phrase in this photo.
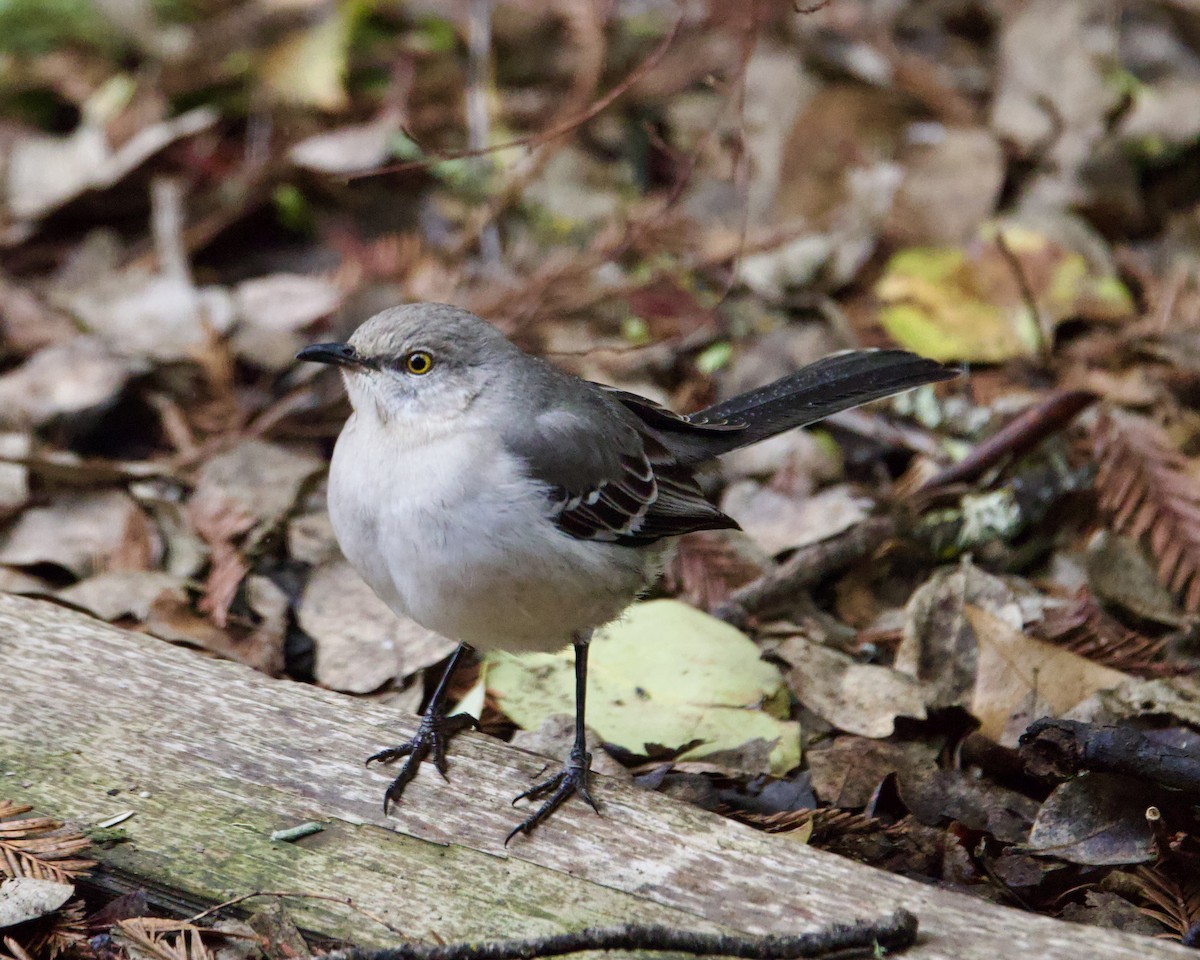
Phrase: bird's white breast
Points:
(449, 531)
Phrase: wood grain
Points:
(213, 757)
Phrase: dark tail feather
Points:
(812, 393)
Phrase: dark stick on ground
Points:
(806, 567)
(1063, 748)
(893, 934)
(1016, 438)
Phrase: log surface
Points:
(213, 757)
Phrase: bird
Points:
(509, 505)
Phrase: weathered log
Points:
(213, 757)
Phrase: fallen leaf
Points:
(1177, 697)
(351, 148)
(259, 480)
(26, 898)
(123, 593)
(664, 674)
(308, 66)
(939, 646)
(847, 773)
(1095, 819)
(1103, 909)
(859, 698)
(271, 312)
(1018, 676)
(161, 317)
(84, 533)
(952, 181)
(78, 379)
(14, 476)
(360, 643)
(936, 796)
(1119, 572)
(971, 303)
(779, 522)
(44, 172)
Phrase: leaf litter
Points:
(918, 583)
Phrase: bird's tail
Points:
(812, 393)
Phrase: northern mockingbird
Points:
(510, 506)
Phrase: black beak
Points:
(336, 354)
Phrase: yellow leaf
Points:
(308, 66)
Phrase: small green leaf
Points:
(715, 356)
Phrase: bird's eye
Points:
(418, 362)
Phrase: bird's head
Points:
(422, 362)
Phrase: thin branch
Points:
(559, 130)
(807, 566)
(1027, 295)
(298, 895)
(894, 934)
(1016, 438)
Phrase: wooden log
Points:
(213, 757)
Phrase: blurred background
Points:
(686, 199)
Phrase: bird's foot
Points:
(430, 740)
(573, 778)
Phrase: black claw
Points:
(429, 742)
(573, 778)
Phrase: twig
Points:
(807, 566)
(1027, 295)
(479, 44)
(1063, 748)
(297, 895)
(1020, 435)
(556, 131)
(894, 934)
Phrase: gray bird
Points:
(508, 505)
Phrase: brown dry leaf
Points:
(778, 522)
(1151, 492)
(273, 309)
(1120, 573)
(360, 643)
(939, 645)
(45, 172)
(952, 181)
(936, 796)
(152, 938)
(74, 380)
(1018, 678)
(1103, 909)
(123, 593)
(84, 533)
(1095, 819)
(847, 773)
(707, 566)
(242, 497)
(861, 698)
(14, 474)
(39, 847)
(66, 930)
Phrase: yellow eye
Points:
(418, 362)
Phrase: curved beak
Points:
(335, 354)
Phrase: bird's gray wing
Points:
(608, 477)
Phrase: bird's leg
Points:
(431, 737)
(574, 776)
